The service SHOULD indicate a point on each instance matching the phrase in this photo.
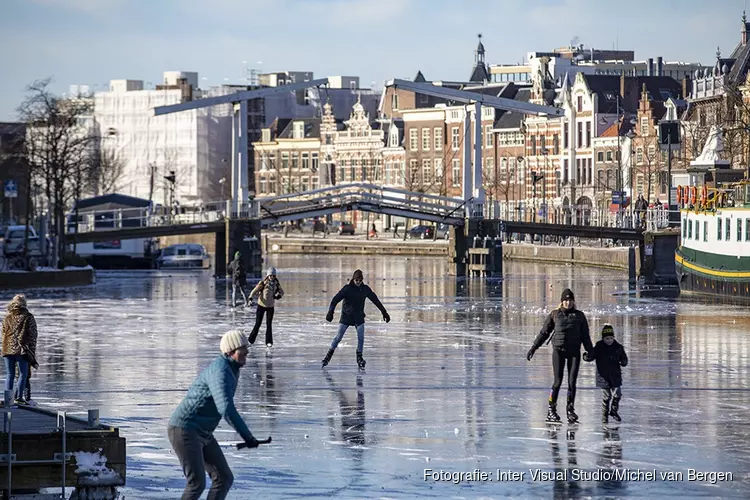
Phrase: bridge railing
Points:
(119, 218)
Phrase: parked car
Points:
(14, 239)
(343, 227)
(443, 232)
(184, 255)
(422, 231)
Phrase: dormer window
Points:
(298, 130)
(266, 135)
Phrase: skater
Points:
(353, 314)
(209, 399)
(569, 329)
(239, 277)
(610, 356)
(268, 292)
(19, 347)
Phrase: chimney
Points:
(659, 66)
(687, 87)
(650, 67)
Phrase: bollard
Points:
(93, 419)
(632, 278)
(7, 398)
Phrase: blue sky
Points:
(93, 41)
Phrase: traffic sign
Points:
(11, 188)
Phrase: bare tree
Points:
(58, 147)
(107, 172)
(647, 161)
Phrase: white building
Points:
(195, 144)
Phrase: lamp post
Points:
(630, 135)
(534, 179)
(519, 161)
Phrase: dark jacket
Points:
(353, 310)
(571, 329)
(237, 270)
(210, 398)
(609, 359)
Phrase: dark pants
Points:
(269, 324)
(200, 453)
(612, 394)
(560, 359)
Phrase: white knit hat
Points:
(271, 271)
(233, 339)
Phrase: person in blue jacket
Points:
(209, 399)
(353, 294)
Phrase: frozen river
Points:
(447, 385)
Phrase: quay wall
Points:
(48, 278)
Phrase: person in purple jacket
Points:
(209, 399)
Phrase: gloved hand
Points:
(386, 317)
(587, 357)
(530, 354)
(277, 296)
(329, 316)
(252, 443)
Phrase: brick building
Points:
(13, 167)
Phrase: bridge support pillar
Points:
(457, 252)
(220, 254)
(243, 235)
(657, 254)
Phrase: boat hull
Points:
(695, 276)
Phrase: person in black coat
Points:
(610, 356)
(236, 269)
(353, 294)
(569, 329)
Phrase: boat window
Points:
(195, 251)
(729, 229)
(182, 251)
(705, 230)
(690, 229)
(739, 229)
(684, 227)
(718, 228)
(697, 230)
(747, 229)
(169, 251)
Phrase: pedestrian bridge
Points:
(106, 225)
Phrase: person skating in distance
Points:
(353, 294)
(569, 329)
(610, 356)
(268, 291)
(191, 428)
(236, 269)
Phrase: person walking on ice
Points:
(609, 356)
(191, 428)
(239, 277)
(268, 292)
(569, 329)
(353, 294)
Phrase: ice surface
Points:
(447, 385)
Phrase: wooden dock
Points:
(42, 448)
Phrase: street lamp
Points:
(630, 135)
(534, 179)
(171, 178)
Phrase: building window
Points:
(644, 125)
(413, 139)
(411, 180)
(438, 136)
(565, 135)
(718, 228)
(263, 185)
(556, 144)
(425, 139)
(394, 101)
(298, 130)
(580, 135)
(295, 161)
(314, 183)
(542, 144)
(454, 138)
(533, 145)
(580, 103)
(263, 162)
(488, 136)
(426, 171)
(456, 173)
(284, 161)
(609, 155)
(266, 135)
(305, 161)
(639, 155)
(305, 183)
(588, 134)
(438, 170)
(600, 156)
(315, 162)
(651, 154)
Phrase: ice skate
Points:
(328, 357)
(572, 417)
(552, 416)
(613, 411)
(360, 361)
